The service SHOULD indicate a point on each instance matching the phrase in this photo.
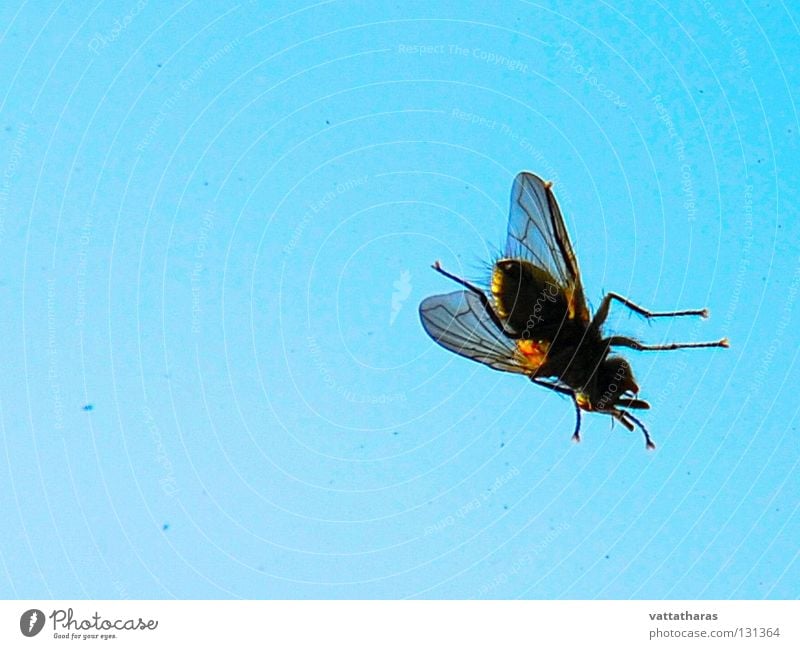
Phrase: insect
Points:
(534, 320)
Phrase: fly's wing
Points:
(459, 322)
(536, 232)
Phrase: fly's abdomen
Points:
(528, 298)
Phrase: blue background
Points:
(217, 221)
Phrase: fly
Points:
(534, 319)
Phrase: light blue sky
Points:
(217, 222)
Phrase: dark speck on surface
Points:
(205, 183)
(607, 555)
(88, 407)
(502, 444)
(328, 122)
(165, 526)
(395, 433)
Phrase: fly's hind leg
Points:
(482, 297)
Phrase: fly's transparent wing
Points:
(458, 321)
(536, 232)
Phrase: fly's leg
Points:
(482, 297)
(621, 416)
(624, 341)
(576, 436)
(605, 305)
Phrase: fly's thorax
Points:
(527, 297)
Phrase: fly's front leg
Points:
(482, 297)
(623, 414)
(605, 305)
(576, 436)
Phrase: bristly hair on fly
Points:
(479, 270)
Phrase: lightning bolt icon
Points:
(32, 621)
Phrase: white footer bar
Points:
(401, 624)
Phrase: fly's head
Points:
(614, 387)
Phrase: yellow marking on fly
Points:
(548, 184)
(583, 401)
(497, 290)
(533, 351)
(570, 303)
